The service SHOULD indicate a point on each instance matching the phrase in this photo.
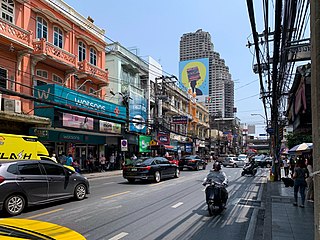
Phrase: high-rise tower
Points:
(198, 45)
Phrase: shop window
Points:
(3, 78)
(42, 28)
(56, 78)
(42, 73)
(7, 10)
(93, 56)
(81, 51)
(57, 37)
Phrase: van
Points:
(19, 147)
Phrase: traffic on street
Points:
(172, 209)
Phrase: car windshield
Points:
(190, 157)
(141, 161)
(259, 157)
(242, 157)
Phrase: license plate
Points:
(133, 169)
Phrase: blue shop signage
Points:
(67, 97)
(138, 113)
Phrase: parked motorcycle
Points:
(216, 197)
(250, 168)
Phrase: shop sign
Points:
(71, 137)
(144, 142)
(188, 147)
(109, 127)
(179, 119)
(164, 138)
(138, 106)
(124, 145)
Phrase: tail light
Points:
(124, 168)
(2, 179)
(192, 160)
(146, 168)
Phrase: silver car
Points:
(233, 162)
(32, 182)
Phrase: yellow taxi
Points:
(15, 228)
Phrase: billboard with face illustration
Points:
(194, 75)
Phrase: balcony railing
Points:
(93, 71)
(43, 47)
(14, 32)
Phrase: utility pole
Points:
(315, 99)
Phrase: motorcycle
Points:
(250, 168)
(215, 198)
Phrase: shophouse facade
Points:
(130, 86)
(54, 63)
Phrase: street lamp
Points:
(258, 114)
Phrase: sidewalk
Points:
(102, 174)
(282, 220)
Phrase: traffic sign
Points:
(270, 130)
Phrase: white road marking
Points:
(177, 205)
(108, 183)
(119, 236)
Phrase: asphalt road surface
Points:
(171, 209)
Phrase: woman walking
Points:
(300, 174)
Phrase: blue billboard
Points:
(138, 106)
(194, 75)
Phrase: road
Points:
(171, 209)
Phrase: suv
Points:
(233, 162)
(193, 162)
(31, 182)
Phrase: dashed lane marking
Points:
(115, 195)
(177, 205)
(119, 236)
(45, 213)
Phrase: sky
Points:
(154, 28)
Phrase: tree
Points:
(294, 139)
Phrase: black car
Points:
(153, 168)
(32, 182)
(263, 161)
(193, 162)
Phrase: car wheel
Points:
(268, 165)
(157, 176)
(242, 173)
(197, 167)
(80, 191)
(204, 166)
(14, 204)
(224, 165)
(131, 180)
(177, 173)
(235, 165)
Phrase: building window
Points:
(7, 10)
(81, 51)
(93, 56)
(42, 28)
(57, 37)
(42, 73)
(56, 78)
(3, 78)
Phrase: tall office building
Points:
(198, 45)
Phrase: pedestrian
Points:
(310, 190)
(111, 161)
(102, 163)
(285, 166)
(292, 164)
(63, 159)
(300, 174)
(90, 163)
(69, 160)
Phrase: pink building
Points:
(45, 42)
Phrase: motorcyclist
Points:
(217, 175)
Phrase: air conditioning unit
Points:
(8, 105)
(17, 106)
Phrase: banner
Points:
(138, 113)
(109, 127)
(75, 121)
(144, 143)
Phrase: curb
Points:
(102, 174)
